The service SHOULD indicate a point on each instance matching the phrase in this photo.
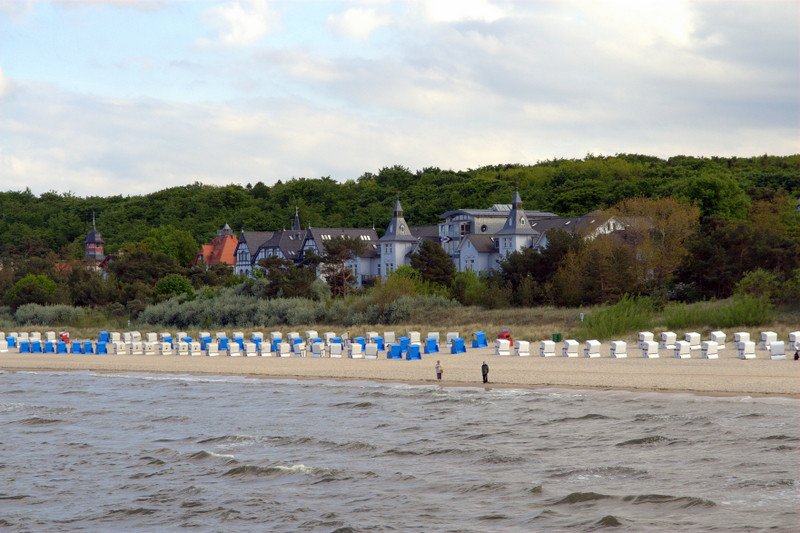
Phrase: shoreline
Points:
(727, 376)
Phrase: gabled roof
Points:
(482, 243)
(426, 233)
(290, 243)
(495, 213)
(321, 236)
(254, 239)
(398, 228)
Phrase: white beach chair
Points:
(693, 338)
(136, 336)
(137, 348)
(275, 335)
(311, 334)
(165, 348)
(151, 337)
(355, 351)
(212, 349)
(522, 348)
(388, 337)
(644, 336)
(336, 350)
(740, 338)
(35, 336)
(114, 336)
(328, 337)
(234, 350)
(710, 350)
(284, 350)
(265, 349)
(183, 348)
(794, 340)
(371, 335)
(119, 348)
(450, 336)
(547, 349)
(719, 337)
(371, 351)
(667, 340)
(619, 349)
(502, 347)
(767, 338)
(777, 350)
(592, 349)
(683, 350)
(747, 350)
(413, 337)
(50, 336)
(195, 349)
(650, 350)
(433, 335)
(570, 348)
(250, 349)
(318, 349)
(3, 345)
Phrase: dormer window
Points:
(521, 221)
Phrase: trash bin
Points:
(556, 337)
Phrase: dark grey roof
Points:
(371, 237)
(290, 243)
(517, 222)
(254, 239)
(93, 236)
(426, 233)
(398, 228)
(482, 243)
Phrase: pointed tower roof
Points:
(93, 235)
(398, 228)
(296, 223)
(517, 222)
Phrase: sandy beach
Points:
(727, 375)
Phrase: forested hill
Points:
(58, 221)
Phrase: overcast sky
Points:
(104, 98)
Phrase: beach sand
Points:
(727, 375)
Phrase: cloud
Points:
(6, 87)
(459, 10)
(240, 23)
(356, 23)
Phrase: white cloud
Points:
(356, 23)
(240, 23)
(6, 87)
(459, 10)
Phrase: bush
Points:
(631, 313)
(741, 310)
(48, 315)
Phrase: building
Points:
(222, 249)
(93, 252)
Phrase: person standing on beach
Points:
(439, 371)
(485, 372)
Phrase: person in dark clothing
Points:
(796, 355)
(485, 372)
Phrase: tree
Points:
(433, 263)
(285, 279)
(715, 192)
(173, 285)
(173, 242)
(334, 267)
(657, 229)
(31, 289)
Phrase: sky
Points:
(123, 97)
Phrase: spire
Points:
(517, 222)
(93, 226)
(398, 228)
(296, 224)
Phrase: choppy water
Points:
(82, 451)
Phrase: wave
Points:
(37, 421)
(683, 501)
(590, 416)
(203, 455)
(355, 405)
(656, 439)
(781, 437)
(582, 497)
(253, 471)
(228, 439)
(131, 512)
(608, 521)
(609, 472)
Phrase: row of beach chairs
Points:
(681, 349)
(410, 346)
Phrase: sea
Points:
(84, 451)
